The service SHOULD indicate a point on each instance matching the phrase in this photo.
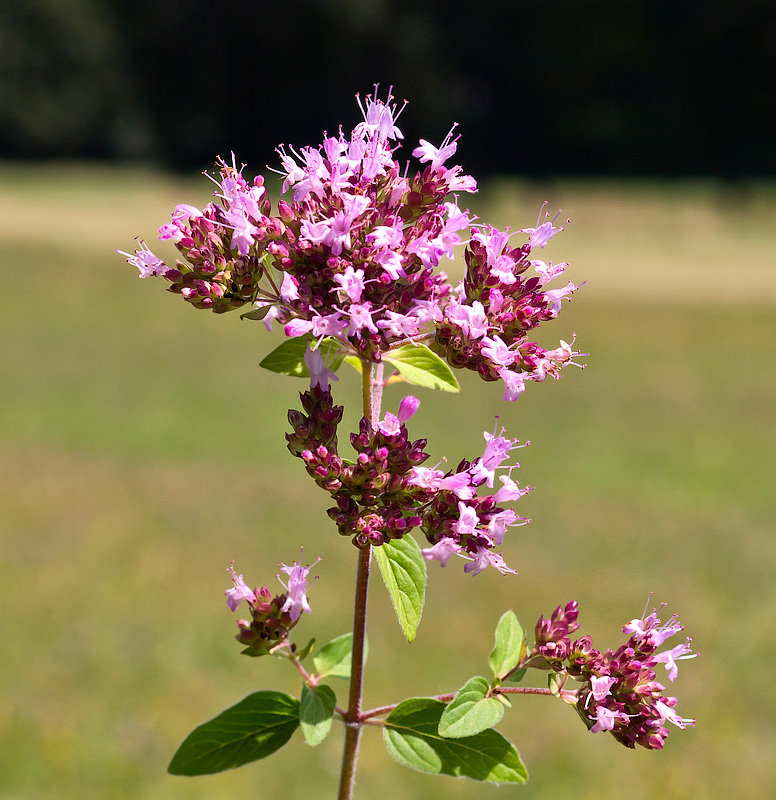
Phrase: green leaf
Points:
(334, 659)
(412, 738)
(421, 366)
(404, 574)
(508, 647)
(517, 675)
(555, 681)
(302, 654)
(471, 712)
(288, 357)
(255, 728)
(315, 713)
(257, 313)
(354, 362)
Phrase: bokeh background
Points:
(142, 446)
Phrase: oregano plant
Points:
(348, 264)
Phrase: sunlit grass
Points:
(143, 450)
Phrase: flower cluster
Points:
(486, 323)
(619, 691)
(272, 618)
(385, 492)
(353, 254)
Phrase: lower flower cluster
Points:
(272, 618)
(385, 492)
(619, 693)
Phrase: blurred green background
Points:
(143, 450)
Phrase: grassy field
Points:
(143, 450)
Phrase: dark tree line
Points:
(578, 87)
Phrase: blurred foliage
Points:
(143, 450)
(644, 87)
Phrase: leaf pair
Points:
(415, 362)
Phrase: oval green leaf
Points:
(471, 712)
(255, 728)
(422, 367)
(403, 569)
(412, 738)
(315, 713)
(288, 358)
(508, 645)
(334, 659)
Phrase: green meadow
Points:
(143, 450)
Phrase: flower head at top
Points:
(353, 254)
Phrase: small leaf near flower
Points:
(422, 367)
(508, 645)
(471, 712)
(403, 569)
(257, 313)
(334, 659)
(288, 358)
(315, 712)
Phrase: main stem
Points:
(372, 394)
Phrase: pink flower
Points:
(497, 351)
(650, 626)
(666, 711)
(244, 231)
(549, 271)
(459, 484)
(497, 448)
(605, 719)
(385, 236)
(315, 232)
(391, 262)
(470, 318)
(509, 490)
(436, 155)
(320, 374)
(184, 212)
(442, 551)
(379, 119)
(425, 477)
(487, 558)
(600, 687)
(514, 384)
(296, 597)
(498, 524)
(289, 290)
(542, 233)
(554, 296)
(360, 318)
(390, 424)
(240, 591)
(351, 283)
(146, 262)
(467, 520)
(670, 657)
